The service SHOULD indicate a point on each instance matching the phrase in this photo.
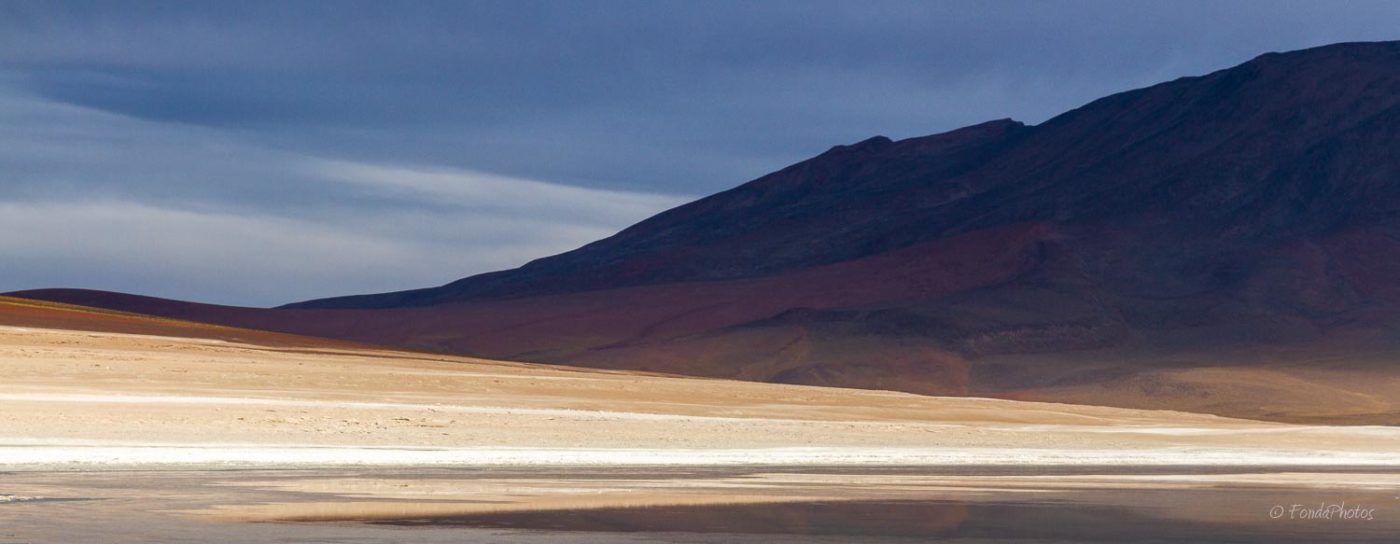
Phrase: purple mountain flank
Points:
(1227, 243)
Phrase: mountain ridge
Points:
(633, 253)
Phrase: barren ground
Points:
(83, 397)
(164, 395)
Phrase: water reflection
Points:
(596, 506)
(1027, 521)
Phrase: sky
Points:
(259, 153)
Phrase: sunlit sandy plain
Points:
(200, 426)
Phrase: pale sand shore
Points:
(51, 455)
(87, 399)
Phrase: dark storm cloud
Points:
(637, 86)
(221, 106)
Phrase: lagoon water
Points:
(911, 504)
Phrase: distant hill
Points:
(1226, 243)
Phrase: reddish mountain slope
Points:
(42, 314)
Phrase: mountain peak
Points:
(868, 145)
(969, 135)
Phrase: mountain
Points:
(1227, 243)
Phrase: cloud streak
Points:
(483, 191)
(103, 201)
(243, 258)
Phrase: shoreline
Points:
(39, 455)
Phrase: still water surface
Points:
(172, 506)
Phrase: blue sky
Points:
(260, 153)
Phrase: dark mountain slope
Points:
(827, 209)
(1285, 145)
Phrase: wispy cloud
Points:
(495, 193)
(250, 258)
(97, 200)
